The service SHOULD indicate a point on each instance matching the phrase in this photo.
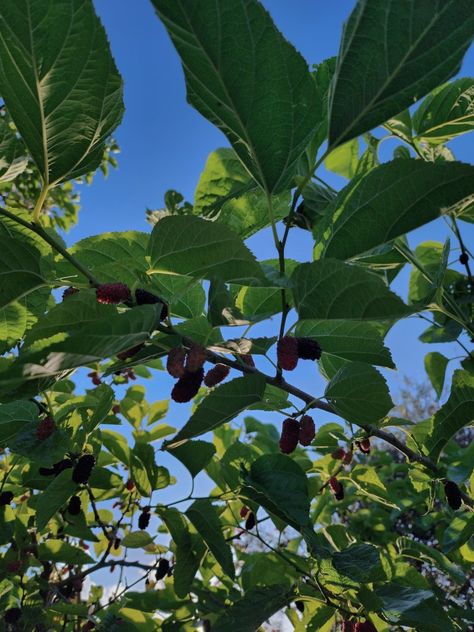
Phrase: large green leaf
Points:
(418, 550)
(54, 497)
(456, 413)
(389, 201)
(12, 153)
(458, 532)
(269, 108)
(350, 340)
(59, 83)
(195, 247)
(53, 550)
(392, 53)
(360, 562)
(14, 416)
(435, 367)
(13, 323)
(447, 112)
(20, 270)
(359, 393)
(331, 289)
(194, 455)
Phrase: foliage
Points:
(343, 524)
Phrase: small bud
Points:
(250, 522)
(215, 375)
(162, 569)
(196, 358)
(453, 495)
(307, 430)
(175, 362)
(113, 293)
(289, 437)
(287, 353)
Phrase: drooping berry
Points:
(45, 428)
(94, 378)
(117, 543)
(244, 511)
(365, 626)
(5, 498)
(347, 458)
(129, 353)
(130, 485)
(215, 375)
(336, 488)
(116, 409)
(74, 506)
(308, 349)
(453, 495)
(69, 291)
(307, 430)
(339, 454)
(289, 437)
(12, 615)
(299, 606)
(175, 362)
(144, 520)
(187, 386)
(364, 445)
(143, 297)
(113, 293)
(83, 468)
(463, 258)
(347, 626)
(287, 353)
(196, 358)
(250, 522)
(162, 569)
(247, 359)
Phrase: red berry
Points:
(69, 291)
(364, 446)
(287, 353)
(308, 349)
(250, 522)
(46, 428)
(247, 359)
(196, 358)
(365, 626)
(336, 488)
(175, 362)
(116, 409)
(453, 495)
(244, 511)
(289, 435)
(113, 293)
(187, 386)
(338, 454)
(307, 430)
(215, 375)
(130, 485)
(94, 378)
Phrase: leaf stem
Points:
(40, 203)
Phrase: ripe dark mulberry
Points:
(74, 506)
(250, 522)
(339, 454)
(307, 430)
(175, 362)
(94, 378)
(83, 468)
(290, 433)
(130, 485)
(143, 297)
(46, 428)
(463, 258)
(347, 626)
(69, 291)
(299, 606)
(144, 520)
(113, 293)
(453, 494)
(364, 446)
(308, 349)
(12, 615)
(365, 626)
(5, 498)
(287, 353)
(162, 569)
(215, 375)
(347, 458)
(116, 409)
(57, 468)
(187, 386)
(336, 488)
(196, 358)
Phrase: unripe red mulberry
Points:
(308, 349)
(215, 375)
(347, 626)
(94, 378)
(338, 454)
(46, 428)
(113, 293)
(83, 468)
(453, 494)
(74, 506)
(187, 386)
(289, 435)
(247, 359)
(196, 358)
(69, 291)
(365, 626)
(463, 258)
(175, 362)
(336, 488)
(307, 430)
(5, 498)
(144, 520)
(244, 511)
(162, 569)
(12, 615)
(364, 445)
(287, 353)
(250, 522)
(130, 485)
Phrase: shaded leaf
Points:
(194, 455)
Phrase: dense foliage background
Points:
(360, 523)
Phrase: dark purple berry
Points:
(453, 495)
(463, 258)
(287, 353)
(308, 349)
(196, 358)
(113, 293)
(12, 615)
(74, 506)
(143, 297)
(144, 520)
(83, 468)
(162, 569)
(336, 488)
(187, 386)
(289, 435)
(5, 498)
(250, 522)
(175, 362)
(307, 430)
(215, 375)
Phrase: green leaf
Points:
(117, 445)
(12, 153)
(435, 366)
(405, 51)
(59, 83)
(355, 341)
(14, 417)
(331, 289)
(344, 159)
(54, 497)
(194, 455)
(20, 270)
(419, 551)
(367, 481)
(266, 569)
(458, 533)
(221, 405)
(13, 323)
(195, 247)
(432, 257)
(389, 201)
(447, 112)
(255, 607)
(359, 393)
(58, 551)
(456, 413)
(360, 562)
(270, 111)
(136, 540)
(204, 517)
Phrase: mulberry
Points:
(187, 386)
(250, 522)
(144, 520)
(453, 494)
(69, 291)
(162, 569)
(175, 362)
(244, 511)
(248, 360)
(74, 506)
(308, 349)
(130, 485)
(287, 353)
(129, 353)
(83, 468)
(336, 488)
(299, 606)
(365, 626)
(347, 626)
(46, 428)
(215, 375)
(364, 446)
(57, 468)
(94, 378)
(339, 454)
(289, 435)
(143, 297)
(196, 358)
(5, 498)
(113, 293)
(347, 458)
(12, 615)
(116, 409)
(117, 542)
(307, 430)
(463, 258)
(13, 567)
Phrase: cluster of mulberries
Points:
(143, 297)
(294, 431)
(113, 293)
(336, 488)
(188, 368)
(69, 291)
(162, 569)
(216, 375)
(57, 468)
(5, 498)
(453, 495)
(74, 506)
(45, 428)
(83, 468)
(187, 386)
(144, 518)
(290, 349)
(364, 445)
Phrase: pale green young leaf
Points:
(435, 367)
(136, 540)
(344, 159)
(53, 550)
